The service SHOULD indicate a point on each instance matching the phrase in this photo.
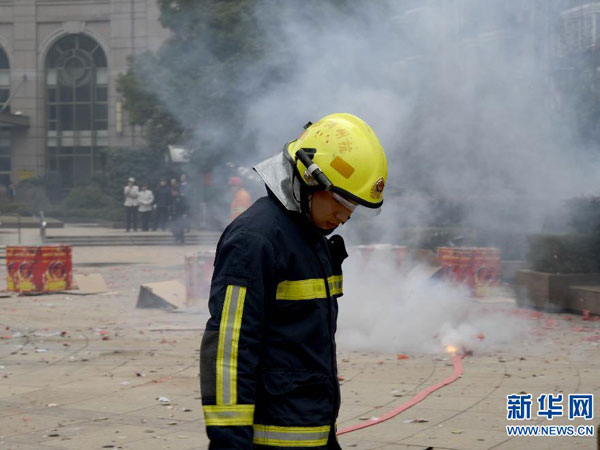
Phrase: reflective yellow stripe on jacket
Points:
(227, 351)
(237, 415)
(275, 436)
(227, 411)
(309, 289)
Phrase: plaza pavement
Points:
(94, 372)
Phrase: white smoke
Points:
(460, 95)
(387, 309)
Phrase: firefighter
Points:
(268, 356)
(241, 200)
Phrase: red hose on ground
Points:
(458, 371)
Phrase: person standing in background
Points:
(241, 198)
(162, 201)
(145, 200)
(184, 191)
(178, 217)
(131, 204)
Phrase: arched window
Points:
(77, 108)
(5, 133)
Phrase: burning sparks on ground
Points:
(451, 349)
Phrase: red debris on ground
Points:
(402, 356)
(586, 315)
(582, 329)
(537, 332)
(480, 336)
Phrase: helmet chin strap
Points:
(306, 192)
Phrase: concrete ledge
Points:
(585, 298)
(28, 222)
(549, 291)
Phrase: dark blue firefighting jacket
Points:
(268, 358)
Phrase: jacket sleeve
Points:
(230, 351)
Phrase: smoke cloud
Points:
(460, 94)
(463, 97)
(382, 310)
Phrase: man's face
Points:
(326, 212)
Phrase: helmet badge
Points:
(377, 189)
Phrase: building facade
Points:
(59, 63)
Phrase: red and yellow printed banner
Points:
(476, 267)
(39, 269)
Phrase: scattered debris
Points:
(587, 316)
(163, 400)
(162, 295)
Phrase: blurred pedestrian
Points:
(162, 201)
(131, 204)
(145, 200)
(178, 216)
(185, 200)
(183, 185)
(241, 198)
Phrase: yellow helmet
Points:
(346, 150)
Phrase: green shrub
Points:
(86, 197)
(105, 214)
(564, 253)
(48, 187)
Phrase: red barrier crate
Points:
(476, 267)
(39, 269)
